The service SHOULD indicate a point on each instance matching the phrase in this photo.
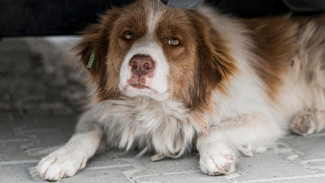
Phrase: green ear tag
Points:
(91, 59)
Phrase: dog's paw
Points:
(61, 163)
(216, 162)
(303, 123)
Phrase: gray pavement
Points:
(42, 94)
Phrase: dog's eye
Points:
(174, 42)
(128, 35)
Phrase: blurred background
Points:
(40, 75)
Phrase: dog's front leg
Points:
(73, 156)
(247, 134)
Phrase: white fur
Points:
(70, 158)
(246, 121)
(158, 84)
(248, 96)
(148, 46)
(247, 112)
(143, 125)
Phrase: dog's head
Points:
(146, 49)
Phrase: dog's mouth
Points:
(139, 85)
(133, 88)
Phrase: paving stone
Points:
(268, 166)
(187, 163)
(29, 136)
(311, 150)
(109, 175)
(194, 176)
(108, 159)
(17, 173)
(318, 178)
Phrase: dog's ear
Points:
(215, 64)
(93, 46)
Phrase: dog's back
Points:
(290, 60)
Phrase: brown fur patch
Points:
(106, 40)
(201, 121)
(201, 64)
(275, 44)
(96, 38)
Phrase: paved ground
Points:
(41, 97)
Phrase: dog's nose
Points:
(141, 64)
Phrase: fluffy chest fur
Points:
(165, 127)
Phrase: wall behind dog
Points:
(40, 75)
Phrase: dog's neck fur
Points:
(166, 127)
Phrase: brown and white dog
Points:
(165, 78)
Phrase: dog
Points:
(172, 80)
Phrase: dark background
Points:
(68, 17)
